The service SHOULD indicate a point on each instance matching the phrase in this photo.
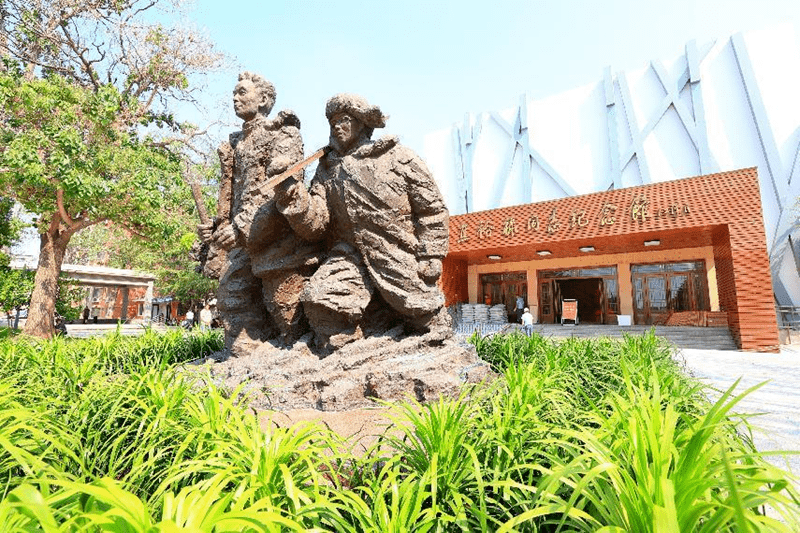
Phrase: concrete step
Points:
(680, 336)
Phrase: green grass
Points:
(6, 332)
(108, 434)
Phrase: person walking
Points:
(520, 306)
(527, 322)
(205, 318)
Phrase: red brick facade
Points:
(454, 280)
(721, 210)
(107, 302)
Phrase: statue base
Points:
(389, 367)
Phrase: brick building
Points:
(686, 252)
(111, 303)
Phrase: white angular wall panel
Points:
(775, 60)
(721, 89)
(630, 176)
(544, 188)
(646, 93)
(670, 150)
(491, 152)
(686, 99)
(675, 67)
(570, 135)
(624, 137)
(517, 185)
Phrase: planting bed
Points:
(109, 434)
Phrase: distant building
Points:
(531, 189)
(687, 252)
(111, 293)
(165, 309)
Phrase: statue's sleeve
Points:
(427, 205)
(287, 151)
(308, 214)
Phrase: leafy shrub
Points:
(583, 435)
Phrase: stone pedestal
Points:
(378, 368)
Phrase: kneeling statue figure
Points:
(383, 221)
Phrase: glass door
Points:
(665, 288)
(546, 307)
(656, 296)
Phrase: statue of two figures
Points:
(356, 253)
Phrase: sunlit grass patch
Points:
(582, 435)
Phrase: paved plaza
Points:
(91, 330)
(775, 406)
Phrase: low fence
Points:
(788, 317)
(483, 328)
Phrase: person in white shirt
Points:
(205, 318)
(527, 322)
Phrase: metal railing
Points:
(483, 328)
(788, 316)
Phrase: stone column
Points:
(148, 302)
(124, 310)
(625, 289)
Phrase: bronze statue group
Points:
(356, 253)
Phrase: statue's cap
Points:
(358, 107)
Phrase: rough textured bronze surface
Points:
(388, 367)
(380, 215)
(265, 264)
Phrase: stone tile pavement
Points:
(777, 402)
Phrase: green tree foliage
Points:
(64, 156)
(66, 161)
(86, 130)
(16, 288)
(9, 228)
(179, 277)
(169, 258)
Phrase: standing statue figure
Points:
(258, 297)
(384, 223)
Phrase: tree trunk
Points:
(42, 308)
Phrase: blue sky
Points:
(427, 63)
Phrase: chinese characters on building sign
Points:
(484, 230)
(639, 209)
(607, 214)
(553, 224)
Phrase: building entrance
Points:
(661, 289)
(506, 288)
(589, 294)
(595, 289)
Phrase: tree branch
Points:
(83, 223)
(185, 140)
(140, 235)
(87, 65)
(61, 210)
